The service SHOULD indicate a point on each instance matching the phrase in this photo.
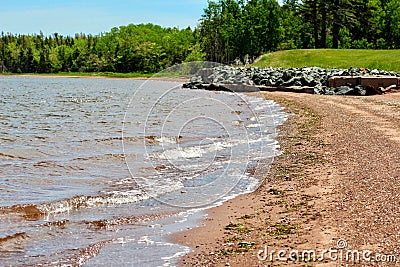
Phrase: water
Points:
(100, 171)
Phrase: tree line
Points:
(229, 31)
(133, 48)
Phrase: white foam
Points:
(177, 255)
(193, 151)
(113, 198)
(145, 240)
(164, 140)
(254, 126)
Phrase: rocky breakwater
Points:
(222, 78)
(308, 80)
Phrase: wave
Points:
(10, 156)
(149, 138)
(22, 154)
(133, 220)
(38, 211)
(53, 164)
(71, 257)
(13, 237)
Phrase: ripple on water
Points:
(83, 182)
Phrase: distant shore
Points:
(73, 75)
(85, 74)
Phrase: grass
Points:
(238, 228)
(284, 229)
(90, 74)
(388, 60)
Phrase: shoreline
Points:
(307, 200)
(55, 76)
(232, 233)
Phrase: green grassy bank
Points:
(331, 58)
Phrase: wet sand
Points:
(336, 186)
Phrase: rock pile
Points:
(315, 78)
(222, 78)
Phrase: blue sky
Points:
(68, 17)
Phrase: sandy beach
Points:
(334, 188)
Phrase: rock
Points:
(245, 79)
(345, 90)
(319, 90)
(375, 72)
(361, 90)
(308, 81)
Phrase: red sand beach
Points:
(335, 187)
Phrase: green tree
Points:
(196, 54)
(391, 22)
(309, 11)
(232, 29)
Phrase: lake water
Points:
(99, 172)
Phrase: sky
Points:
(68, 17)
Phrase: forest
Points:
(229, 31)
(134, 48)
